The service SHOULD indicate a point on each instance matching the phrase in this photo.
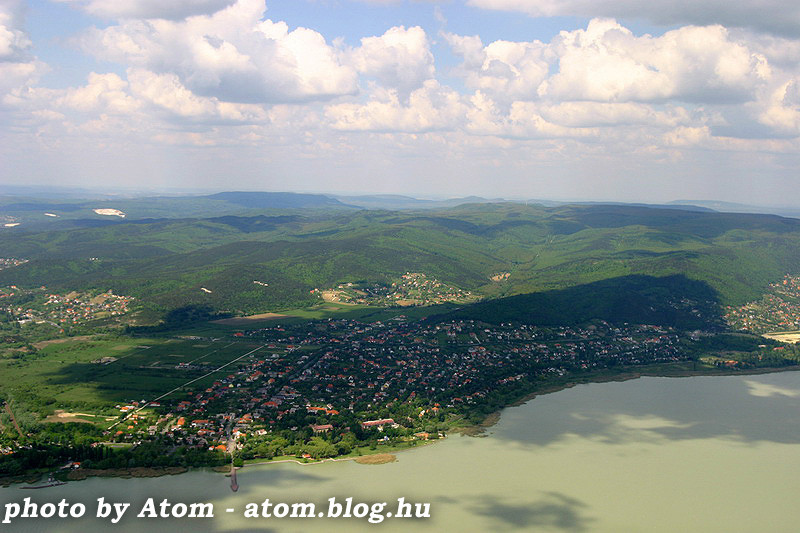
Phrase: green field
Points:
(64, 376)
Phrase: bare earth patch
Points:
(330, 296)
(377, 459)
(63, 417)
(99, 299)
(334, 297)
(789, 337)
(247, 320)
(41, 344)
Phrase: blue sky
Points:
(559, 99)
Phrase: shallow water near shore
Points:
(701, 454)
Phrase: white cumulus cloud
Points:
(596, 114)
(523, 120)
(232, 55)
(166, 93)
(781, 110)
(606, 62)
(400, 58)
(507, 70)
(431, 107)
(19, 70)
(230, 78)
(13, 40)
(104, 93)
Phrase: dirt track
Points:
(247, 320)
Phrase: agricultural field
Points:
(98, 373)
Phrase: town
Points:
(412, 288)
(8, 262)
(326, 388)
(26, 306)
(777, 310)
(285, 388)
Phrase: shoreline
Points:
(493, 418)
(137, 472)
(355, 458)
(472, 430)
(478, 430)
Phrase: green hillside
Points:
(215, 261)
(673, 301)
(41, 214)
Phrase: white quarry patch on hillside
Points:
(110, 212)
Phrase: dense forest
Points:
(494, 250)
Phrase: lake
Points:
(701, 454)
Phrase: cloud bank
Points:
(219, 73)
(771, 16)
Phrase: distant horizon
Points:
(50, 192)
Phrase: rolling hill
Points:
(215, 260)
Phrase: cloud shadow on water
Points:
(659, 409)
(551, 510)
(253, 479)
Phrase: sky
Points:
(623, 100)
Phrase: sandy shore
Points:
(376, 459)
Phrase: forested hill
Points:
(41, 214)
(493, 249)
(673, 301)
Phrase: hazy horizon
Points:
(77, 193)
